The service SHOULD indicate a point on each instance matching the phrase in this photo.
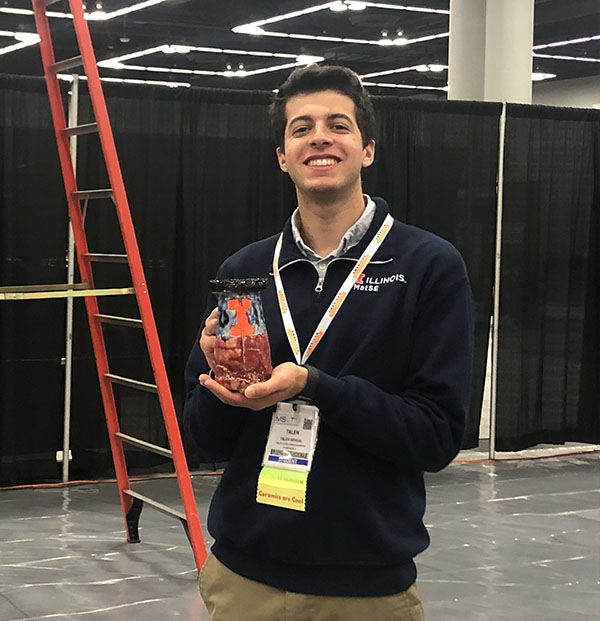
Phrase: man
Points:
(382, 312)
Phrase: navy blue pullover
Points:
(393, 392)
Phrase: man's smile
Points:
(321, 161)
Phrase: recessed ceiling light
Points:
(96, 15)
(338, 7)
(357, 6)
(422, 68)
(437, 68)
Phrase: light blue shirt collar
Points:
(351, 237)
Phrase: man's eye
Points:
(299, 130)
(340, 127)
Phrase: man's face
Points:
(324, 153)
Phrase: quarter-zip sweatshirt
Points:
(393, 393)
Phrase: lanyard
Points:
(338, 300)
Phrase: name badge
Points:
(292, 437)
(288, 456)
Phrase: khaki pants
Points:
(230, 597)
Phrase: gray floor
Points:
(515, 540)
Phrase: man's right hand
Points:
(209, 336)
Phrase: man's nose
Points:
(321, 135)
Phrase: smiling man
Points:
(319, 513)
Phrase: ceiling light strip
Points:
(416, 9)
(110, 62)
(313, 9)
(243, 73)
(277, 68)
(570, 42)
(7, 9)
(13, 48)
(69, 78)
(584, 59)
(279, 18)
(118, 59)
(406, 86)
(118, 13)
(134, 7)
(389, 72)
(270, 33)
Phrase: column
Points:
(490, 50)
(466, 50)
(508, 50)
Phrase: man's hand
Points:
(287, 380)
(209, 336)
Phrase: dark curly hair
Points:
(315, 78)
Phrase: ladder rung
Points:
(31, 288)
(131, 383)
(121, 321)
(68, 63)
(68, 293)
(93, 194)
(145, 445)
(77, 130)
(156, 505)
(106, 258)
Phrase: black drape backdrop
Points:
(437, 163)
(548, 368)
(202, 181)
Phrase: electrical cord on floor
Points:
(206, 473)
(149, 477)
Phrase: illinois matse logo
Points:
(370, 283)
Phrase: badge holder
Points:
(288, 455)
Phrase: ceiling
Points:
(191, 42)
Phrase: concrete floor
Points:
(510, 540)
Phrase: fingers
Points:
(237, 399)
(287, 380)
(210, 325)
(208, 337)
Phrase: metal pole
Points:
(73, 107)
(500, 196)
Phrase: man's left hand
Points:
(287, 380)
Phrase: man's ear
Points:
(281, 159)
(368, 154)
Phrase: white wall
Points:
(576, 93)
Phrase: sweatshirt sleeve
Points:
(213, 425)
(423, 424)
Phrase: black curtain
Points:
(437, 164)
(33, 238)
(202, 180)
(548, 367)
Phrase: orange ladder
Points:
(131, 501)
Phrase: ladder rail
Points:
(132, 251)
(139, 278)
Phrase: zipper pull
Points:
(319, 286)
